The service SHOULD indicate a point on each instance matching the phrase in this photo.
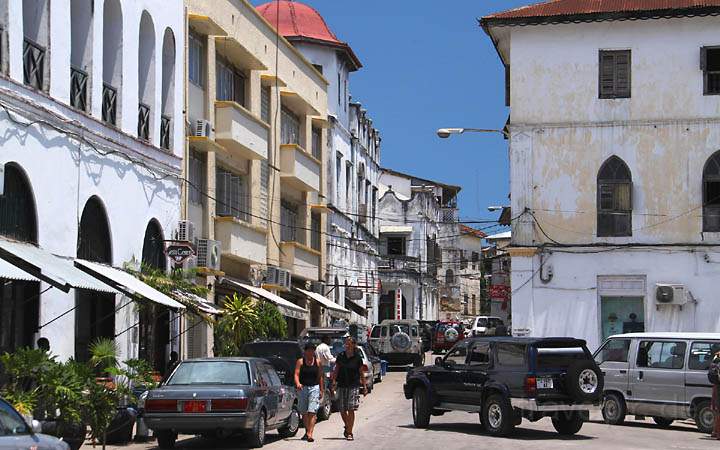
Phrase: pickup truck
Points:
(508, 379)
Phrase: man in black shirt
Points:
(348, 376)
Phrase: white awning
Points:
(55, 270)
(202, 304)
(396, 229)
(334, 309)
(126, 283)
(11, 272)
(286, 308)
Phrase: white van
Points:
(659, 375)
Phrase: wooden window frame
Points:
(614, 94)
(706, 72)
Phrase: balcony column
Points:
(211, 156)
(274, 187)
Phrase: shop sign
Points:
(179, 252)
(500, 292)
(398, 304)
(355, 294)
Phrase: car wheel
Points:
(663, 422)
(585, 381)
(166, 439)
(325, 410)
(568, 423)
(704, 417)
(498, 416)
(290, 428)
(257, 436)
(420, 408)
(613, 410)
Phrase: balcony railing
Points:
(109, 104)
(78, 88)
(165, 132)
(143, 122)
(33, 64)
(448, 215)
(398, 262)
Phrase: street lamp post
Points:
(446, 132)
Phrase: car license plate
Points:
(194, 406)
(544, 383)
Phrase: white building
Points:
(614, 138)
(352, 161)
(468, 270)
(92, 148)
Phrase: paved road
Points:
(385, 421)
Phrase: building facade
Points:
(614, 167)
(497, 264)
(92, 154)
(469, 270)
(352, 161)
(255, 156)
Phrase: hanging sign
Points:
(398, 304)
(179, 252)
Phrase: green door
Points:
(622, 315)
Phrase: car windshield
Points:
(11, 424)
(210, 372)
(482, 322)
(266, 349)
(495, 322)
(399, 328)
(559, 357)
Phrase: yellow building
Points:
(254, 158)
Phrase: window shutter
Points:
(221, 186)
(622, 74)
(623, 197)
(703, 58)
(607, 75)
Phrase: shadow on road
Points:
(651, 426)
(523, 434)
(233, 443)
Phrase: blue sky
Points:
(427, 65)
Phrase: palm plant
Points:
(238, 325)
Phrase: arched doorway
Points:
(19, 300)
(154, 320)
(95, 311)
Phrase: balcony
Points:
(143, 122)
(78, 88)
(241, 241)
(398, 263)
(300, 259)
(109, 104)
(165, 132)
(33, 64)
(240, 132)
(298, 169)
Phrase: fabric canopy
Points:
(126, 283)
(333, 308)
(55, 270)
(286, 308)
(202, 304)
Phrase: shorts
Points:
(309, 399)
(348, 398)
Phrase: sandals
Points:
(349, 437)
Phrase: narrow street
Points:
(385, 421)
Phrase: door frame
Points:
(619, 286)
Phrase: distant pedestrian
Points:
(348, 376)
(172, 364)
(501, 330)
(714, 378)
(324, 355)
(309, 381)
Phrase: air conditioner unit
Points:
(278, 277)
(208, 254)
(362, 213)
(186, 231)
(203, 128)
(670, 294)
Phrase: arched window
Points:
(18, 219)
(153, 254)
(146, 76)
(711, 194)
(112, 61)
(81, 14)
(168, 89)
(449, 277)
(95, 311)
(614, 199)
(36, 31)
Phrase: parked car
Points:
(446, 334)
(659, 375)
(507, 379)
(16, 433)
(398, 342)
(219, 397)
(375, 363)
(485, 326)
(283, 355)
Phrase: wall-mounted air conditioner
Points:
(186, 231)
(278, 277)
(203, 128)
(670, 294)
(208, 254)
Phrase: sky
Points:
(427, 65)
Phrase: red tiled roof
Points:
(464, 229)
(298, 21)
(563, 8)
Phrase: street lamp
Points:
(446, 132)
(495, 208)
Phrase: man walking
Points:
(348, 374)
(714, 378)
(324, 355)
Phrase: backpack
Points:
(714, 370)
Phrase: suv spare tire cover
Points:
(584, 381)
(451, 334)
(400, 341)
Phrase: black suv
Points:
(506, 379)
